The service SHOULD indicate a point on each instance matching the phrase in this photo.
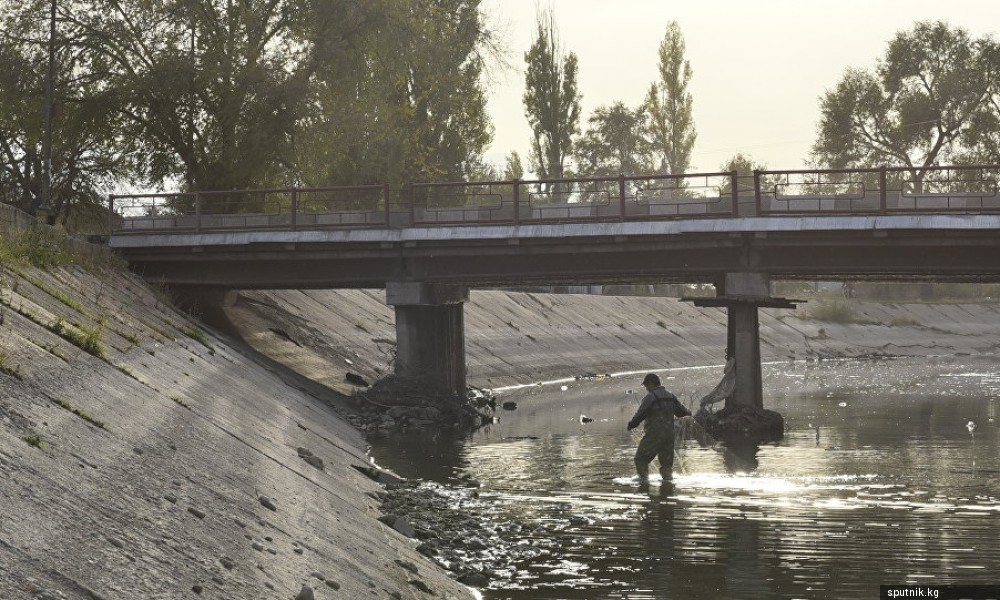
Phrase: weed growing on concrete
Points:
(130, 337)
(34, 439)
(17, 372)
(40, 247)
(57, 294)
(662, 324)
(85, 339)
(55, 351)
(83, 415)
(128, 372)
(196, 334)
(904, 321)
(834, 310)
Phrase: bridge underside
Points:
(964, 255)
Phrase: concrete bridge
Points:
(428, 244)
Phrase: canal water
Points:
(889, 473)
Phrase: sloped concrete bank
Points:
(526, 337)
(143, 457)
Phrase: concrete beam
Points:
(415, 293)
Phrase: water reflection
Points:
(878, 480)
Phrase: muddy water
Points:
(880, 479)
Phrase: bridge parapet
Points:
(622, 198)
(952, 189)
(896, 190)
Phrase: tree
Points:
(982, 138)
(208, 92)
(83, 165)
(744, 165)
(513, 169)
(916, 108)
(236, 94)
(616, 142)
(551, 101)
(670, 106)
(408, 105)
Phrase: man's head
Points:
(651, 381)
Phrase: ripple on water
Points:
(888, 489)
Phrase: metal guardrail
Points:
(953, 189)
(891, 190)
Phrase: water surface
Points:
(888, 474)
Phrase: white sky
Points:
(759, 66)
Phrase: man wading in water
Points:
(657, 410)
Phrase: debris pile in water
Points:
(396, 403)
(742, 423)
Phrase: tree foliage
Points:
(408, 105)
(918, 107)
(514, 168)
(235, 94)
(83, 164)
(551, 101)
(744, 165)
(670, 104)
(616, 142)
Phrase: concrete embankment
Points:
(141, 456)
(526, 337)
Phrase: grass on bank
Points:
(88, 340)
(80, 413)
(47, 248)
(195, 333)
(838, 310)
(17, 372)
(34, 439)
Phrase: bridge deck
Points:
(807, 224)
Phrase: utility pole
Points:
(44, 207)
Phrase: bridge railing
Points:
(895, 190)
(892, 190)
(622, 198)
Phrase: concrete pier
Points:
(742, 294)
(430, 333)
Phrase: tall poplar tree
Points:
(551, 101)
(670, 105)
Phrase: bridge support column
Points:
(745, 293)
(742, 294)
(430, 332)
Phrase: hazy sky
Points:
(760, 66)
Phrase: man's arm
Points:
(640, 415)
(680, 410)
